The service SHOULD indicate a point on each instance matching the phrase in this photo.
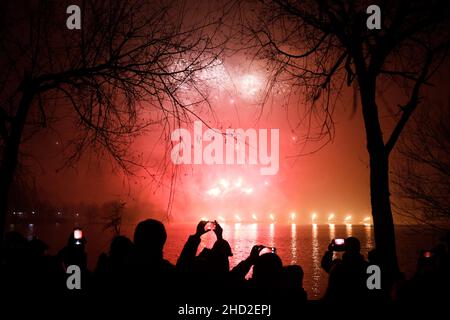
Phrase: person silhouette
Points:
(151, 270)
(187, 257)
(429, 284)
(293, 282)
(211, 265)
(347, 276)
(267, 270)
(74, 253)
(113, 270)
(15, 262)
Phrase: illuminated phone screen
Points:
(267, 250)
(78, 234)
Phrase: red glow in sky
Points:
(334, 179)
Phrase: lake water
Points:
(296, 244)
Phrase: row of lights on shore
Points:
(20, 213)
(293, 218)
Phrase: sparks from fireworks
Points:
(224, 187)
(250, 85)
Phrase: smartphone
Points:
(268, 250)
(338, 244)
(77, 234)
(210, 226)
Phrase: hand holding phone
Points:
(210, 226)
(265, 250)
(218, 230)
(337, 245)
(254, 254)
(201, 228)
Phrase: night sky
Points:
(334, 179)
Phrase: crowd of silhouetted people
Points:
(138, 265)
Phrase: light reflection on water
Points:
(30, 232)
(369, 239)
(293, 243)
(272, 235)
(316, 272)
(348, 229)
(296, 244)
(332, 229)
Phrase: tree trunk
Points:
(11, 153)
(382, 214)
(379, 183)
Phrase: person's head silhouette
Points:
(293, 276)
(150, 237)
(352, 245)
(121, 248)
(267, 269)
(15, 247)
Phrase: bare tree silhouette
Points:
(422, 178)
(318, 47)
(113, 218)
(131, 67)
